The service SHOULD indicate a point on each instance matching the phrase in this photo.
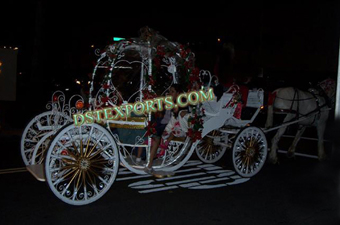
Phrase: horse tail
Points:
(270, 109)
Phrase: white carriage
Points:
(80, 163)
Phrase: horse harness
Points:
(297, 99)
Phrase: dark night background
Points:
(293, 43)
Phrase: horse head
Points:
(328, 87)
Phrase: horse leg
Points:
(273, 150)
(321, 150)
(270, 114)
(291, 150)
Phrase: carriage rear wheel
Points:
(207, 151)
(40, 149)
(249, 151)
(81, 163)
(36, 130)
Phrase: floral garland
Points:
(105, 98)
(196, 122)
(192, 72)
(236, 100)
(148, 94)
(189, 73)
(150, 129)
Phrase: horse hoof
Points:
(322, 158)
(274, 160)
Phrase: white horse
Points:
(309, 108)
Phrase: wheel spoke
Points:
(69, 183)
(247, 166)
(88, 141)
(85, 191)
(99, 177)
(81, 142)
(207, 150)
(90, 178)
(90, 152)
(78, 180)
(98, 161)
(63, 158)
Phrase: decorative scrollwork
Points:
(58, 105)
(205, 77)
(139, 140)
(107, 95)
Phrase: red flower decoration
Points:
(157, 62)
(87, 105)
(190, 132)
(193, 79)
(194, 134)
(238, 111)
(148, 95)
(55, 98)
(105, 99)
(196, 71)
(152, 81)
(160, 51)
(150, 129)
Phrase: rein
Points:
(298, 100)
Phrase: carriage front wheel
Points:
(249, 151)
(81, 163)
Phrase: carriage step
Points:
(37, 171)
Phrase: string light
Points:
(10, 47)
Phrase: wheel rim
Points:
(36, 130)
(249, 151)
(81, 164)
(207, 152)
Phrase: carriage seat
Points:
(249, 111)
(213, 108)
(255, 99)
(253, 104)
